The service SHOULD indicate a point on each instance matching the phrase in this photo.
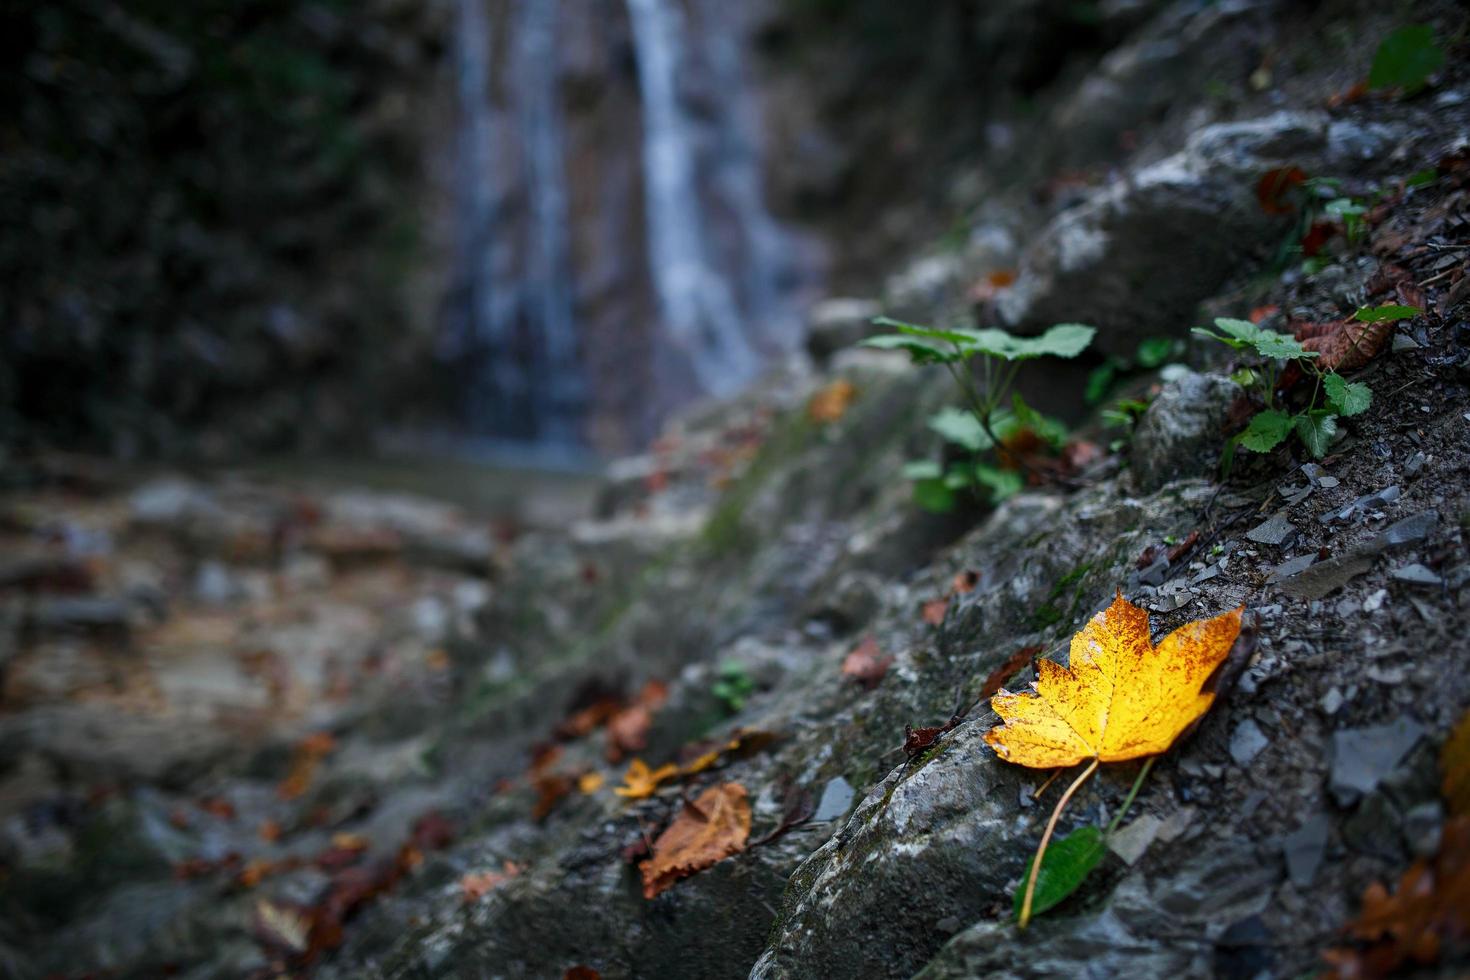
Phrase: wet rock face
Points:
(1173, 232)
(919, 853)
(1181, 433)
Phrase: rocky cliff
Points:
(256, 729)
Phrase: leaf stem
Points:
(1128, 800)
(1051, 825)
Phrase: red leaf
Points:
(866, 663)
(998, 677)
(1274, 186)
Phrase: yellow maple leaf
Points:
(1121, 698)
(640, 781)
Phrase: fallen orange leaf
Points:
(831, 402)
(1454, 762)
(550, 788)
(933, 611)
(590, 782)
(1430, 905)
(1119, 698)
(640, 781)
(866, 663)
(627, 731)
(1122, 697)
(475, 885)
(310, 751)
(715, 826)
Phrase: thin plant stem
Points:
(1043, 787)
(1051, 825)
(1128, 800)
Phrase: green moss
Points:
(725, 530)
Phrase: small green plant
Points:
(732, 685)
(982, 428)
(1406, 59)
(1315, 425)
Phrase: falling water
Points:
(696, 300)
(480, 327)
(716, 259)
(557, 396)
(766, 259)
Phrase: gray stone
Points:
(1181, 433)
(1290, 568)
(1409, 530)
(1193, 214)
(1422, 827)
(59, 613)
(1375, 829)
(1304, 849)
(836, 798)
(835, 324)
(1326, 577)
(1363, 757)
(1277, 531)
(1246, 742)
(1367, 502)
(1416, 574)
(1130, 842)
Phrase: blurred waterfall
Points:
(557, 390)
(549, 321)
(698, 306)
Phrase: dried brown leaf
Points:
(866, 664)
(715, 826)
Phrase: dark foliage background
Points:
(203, 218)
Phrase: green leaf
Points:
(918, 330)
(1347, 398)
(933, 495)
(1051, 431)
(1386, 314)
(1345, 207)
(921, 350)
(960, 427)
(1067, 864)
(957, 477)
(1279, 346)
(1315, 430)
(1061, 340)
(1155, 351)
(1239, 329)
(1266, 431)
(922, 469)
(1406, 59)
(1227, 341)
(1000, 483)
(1100, 381)
(1422, 178)
(1245, 377)
(1227, 455)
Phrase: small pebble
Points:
(1416, 574)
(1246, 742)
